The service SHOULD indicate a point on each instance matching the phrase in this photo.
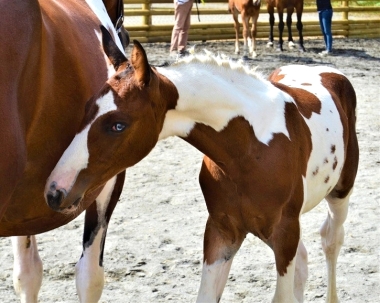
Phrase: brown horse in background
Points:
(289, 5)
(51, 61)
(249, 9)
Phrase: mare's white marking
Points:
(212, 94)
(75, 157)
(326, 131)
(27, 268)
(97, 6)
(214, 278)
(89, 274)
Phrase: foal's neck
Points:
(213, 95)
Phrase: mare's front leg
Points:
(223, 237)
(27, 269)
(300, 29)
(253, 35)
(289, 14)
(89, 270)
(270, 10)
(246, 35)
(281, 26)
(235, 16)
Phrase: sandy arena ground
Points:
(154, 244)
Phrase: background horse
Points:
(289, 5)
(273, 150)
(51, 61)
(249, 9)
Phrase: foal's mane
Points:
(220, 60)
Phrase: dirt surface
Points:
(154, 244)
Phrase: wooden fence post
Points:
(345, 4)
(146, 19)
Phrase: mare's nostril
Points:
(55, 197)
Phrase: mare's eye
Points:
(118, 127)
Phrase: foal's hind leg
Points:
(89, 269)
(332, 233)
(27, 270)
(301, 272)
(223, 236)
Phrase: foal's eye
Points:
(118, 127)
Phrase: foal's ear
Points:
(110, 48)
(140, 63)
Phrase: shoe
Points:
(183, 53)
(173, 54)
(324, 53)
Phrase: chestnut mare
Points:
(289, 5)
(51, 62)
(273, 150)
(249, 9)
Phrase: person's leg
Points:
(184, 24)
(328, 20)
(325, 21)
(175, 32)
(322, 25)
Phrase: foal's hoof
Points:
(302, 49)
(291, 45)
(270, 44)
(254, 54)
(244, 58)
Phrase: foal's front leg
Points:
(222, 237)
(219, 252)
(89, 270)
(285, 242)
(27, 269)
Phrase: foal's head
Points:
(120, 127)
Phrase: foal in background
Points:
(249, 10)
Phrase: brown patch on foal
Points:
(307, 102)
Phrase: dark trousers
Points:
(325, 17)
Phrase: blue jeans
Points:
(325, 18)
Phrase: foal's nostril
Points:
(55, 197)
(53, 186)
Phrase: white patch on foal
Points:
(75, 158)
(213, 95)
(326, 132)
(214, 277)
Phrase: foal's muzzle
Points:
(54, 197)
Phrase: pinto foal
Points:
(273, 150)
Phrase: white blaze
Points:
(75, 158)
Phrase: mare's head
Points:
(120, 127)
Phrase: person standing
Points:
(325, 13)
(182, 14)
